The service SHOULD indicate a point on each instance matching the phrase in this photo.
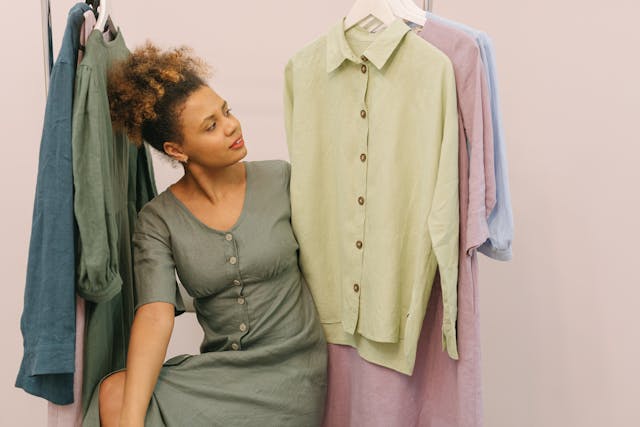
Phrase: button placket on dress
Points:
(234, 260)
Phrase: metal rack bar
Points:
(47, 43)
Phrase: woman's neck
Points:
(212, 184)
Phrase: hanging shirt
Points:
(374, 186)
(448, 391)
(85, 31)
(48, 316)
(476, 160)
(501, 229)
(71, 415)
(113, 179)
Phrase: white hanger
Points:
(366, 12)
(105, 11)
(408, 10)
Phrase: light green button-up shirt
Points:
(372, 129)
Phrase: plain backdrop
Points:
(560, 332)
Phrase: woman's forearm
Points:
(150, 334)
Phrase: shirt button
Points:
(363, 157)
(361, 200)
(229, 237)
(243, 327)
(364, 58)
(240, 300)
(359, 244)
(356, 288)
(233, 260)
(235, 346)
(363, 114)
(363, 68)
(236, 283)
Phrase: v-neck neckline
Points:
(248, 180)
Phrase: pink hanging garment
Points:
(71, 415)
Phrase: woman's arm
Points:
(150, 334)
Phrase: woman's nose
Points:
(231, 126)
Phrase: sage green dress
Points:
(263, 357)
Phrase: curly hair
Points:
(147, 92)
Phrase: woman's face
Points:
(212, 135)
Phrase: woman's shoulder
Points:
(273, 165)
(271, 170)
(151, 218)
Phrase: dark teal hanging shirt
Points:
(48, 318)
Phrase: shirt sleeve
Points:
(98, 279)
(488, 140)
(288, 104)
(154, 265)
(481, 187)
(48, 360)
(501, 228)
(444, 217)
(286, 176)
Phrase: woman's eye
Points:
(212, 127)
(228, 113)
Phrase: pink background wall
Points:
(561, 336)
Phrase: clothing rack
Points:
(427, 5)
(45, 6)
(46, 41)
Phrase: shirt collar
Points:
(378, 53)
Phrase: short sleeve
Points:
(154, 266)
(286, 172)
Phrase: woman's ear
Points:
(174, 150)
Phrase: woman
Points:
(225, 228)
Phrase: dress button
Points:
(235, 346)
(233, 260)
(240, 300)
(236, 283)
(363, 114)
(363, 157)
(361, 200)
(243, 327)
(359, 244)
(363, 68)
(229, 237)
(364, 58)
(356, 288)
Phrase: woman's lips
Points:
(238, 144)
